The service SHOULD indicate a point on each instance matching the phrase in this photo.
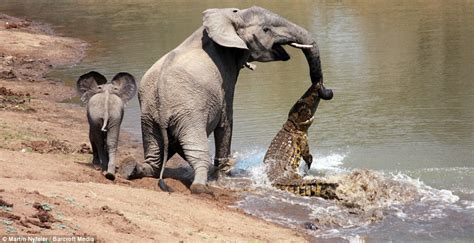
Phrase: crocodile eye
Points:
(266, 29)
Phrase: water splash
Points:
(428, 193)
(367, 189)
(372, 202)
(259, 178)
(249, 158)
(328, 163)
(252, 161)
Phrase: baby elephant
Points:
(105, 103)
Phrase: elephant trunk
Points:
(311, 52)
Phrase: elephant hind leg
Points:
(152, 146)
(99, 150)
(111, 141)
(104, 154)
(196, 152)
(95, 152)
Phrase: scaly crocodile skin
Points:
(284, 154)
(290, 145)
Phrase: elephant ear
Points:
(220, 26)
(88, 84)
(124, 86)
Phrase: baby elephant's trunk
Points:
(106, 111)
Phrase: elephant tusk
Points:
(301, 46)
(250, 66)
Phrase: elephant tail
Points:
(106, 111)
(161, 183)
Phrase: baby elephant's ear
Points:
(87, 84)
(125, 86)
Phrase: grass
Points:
(9, 133)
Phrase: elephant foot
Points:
(110, 176)
(129, 169)
(200, 188)
(96, 167)
(224, 166)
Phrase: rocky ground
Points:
(47, 185)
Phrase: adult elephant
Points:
(188, 93)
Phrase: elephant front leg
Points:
(223, 160)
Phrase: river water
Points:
(403, 77)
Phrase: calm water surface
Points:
(402, 73)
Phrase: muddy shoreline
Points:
(47, 186)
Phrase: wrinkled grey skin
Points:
(188, 93)
(105, 104)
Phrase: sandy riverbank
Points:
(47, 185)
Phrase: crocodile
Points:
(283, 157)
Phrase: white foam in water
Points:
(355, 239)
(259, 177)
(399, 213)
(249, 158)
(468, 204)
(252, 161)
(428, 193)
(330, 162)
(415, 202)
(254, 157)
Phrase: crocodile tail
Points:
(314, 189)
